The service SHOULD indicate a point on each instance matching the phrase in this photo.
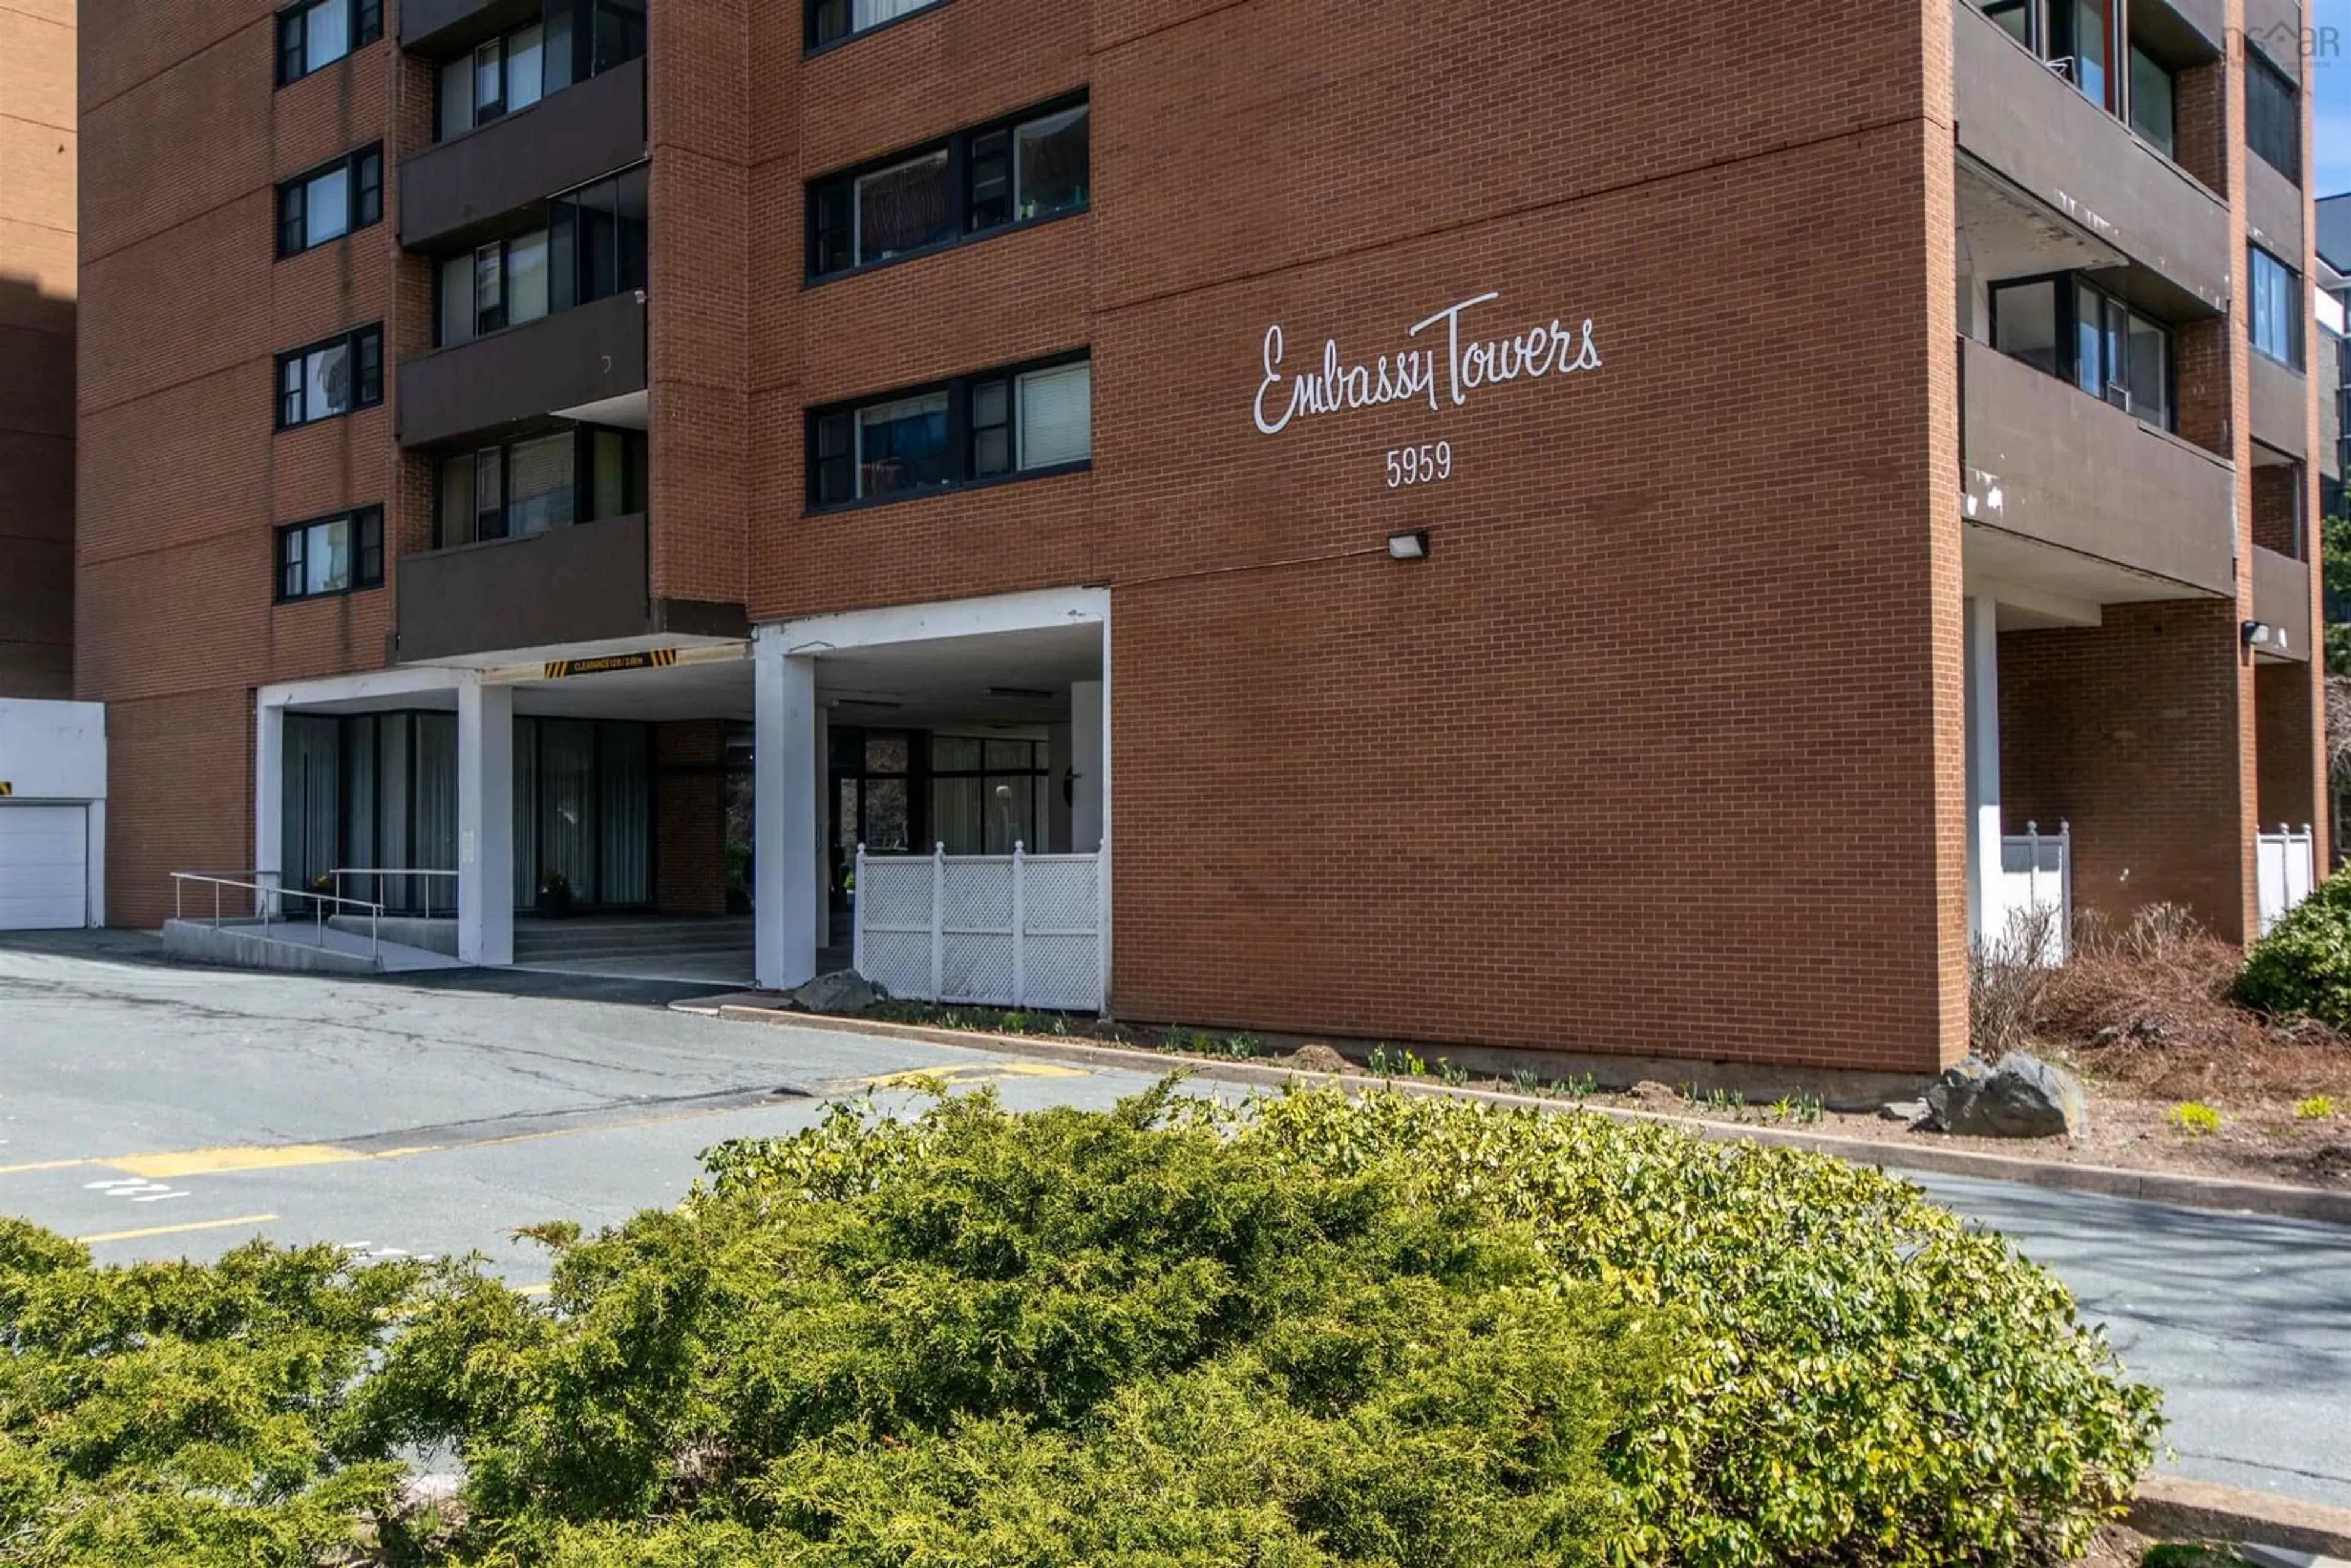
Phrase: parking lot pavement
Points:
(160, 1112)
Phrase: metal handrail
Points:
(425, 871)
(267, 896)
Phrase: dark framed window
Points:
(313, 37)
(2154, 93)
(1025, 169)
(831, 21)
(330, 200)
(503, 283)
(988, 793)
(495, 79)
(2274, 307)
(2081, 40)
(1026, 419)
(2273, 116)
(328, 379)
(331, 555)
(2067, 327)
(534, 483)
(596, 239)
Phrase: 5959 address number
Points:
(1426, 464)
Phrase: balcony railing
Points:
(2046, 460)
(583, 584)
(2026, 123)
(450, 191)
(2282, 602)
(587, 354)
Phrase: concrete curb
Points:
(2150, 1186)
(2173, 1508)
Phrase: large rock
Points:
(843, 991)
(2023, 1097)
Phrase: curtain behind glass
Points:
(526, 811)
(309, 839)
(567, 790)
(626, 814)
(436, 798)
(391, 762)
(359, 805)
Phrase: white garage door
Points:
(44, 877)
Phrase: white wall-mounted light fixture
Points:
(2262, 634)
(1412, 545)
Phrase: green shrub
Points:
(1058, 1338)
(2302, 967)
(171, 1415)
(1309, 1332)
(1872, 1381)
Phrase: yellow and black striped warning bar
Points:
(658, 658)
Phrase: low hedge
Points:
(1311, 1331)
(2301, 968)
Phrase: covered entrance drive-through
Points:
(962, 747)
(590, 814)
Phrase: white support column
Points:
(485, 823)
(268, 792)
(1089, 755)
(94, 857)
(1987, 915)
(786, 765)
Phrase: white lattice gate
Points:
(1005, 931)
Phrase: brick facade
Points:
(38, 310)
(1660, 753)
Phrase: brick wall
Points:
(690, 818)
(2130, 732)
(186, 306)
(2288, 770)
(2277, 507)
(37, 294)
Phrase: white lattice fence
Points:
(2286, 864)
(1008, 931)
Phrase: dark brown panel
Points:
(451, 192)
(2281, 597)
(2048, 461)
(2273, 209)
(578, 584)
(2280, 405)
(443, 26)
(2033, 129)
(578, 356)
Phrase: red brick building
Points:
(1510, 524)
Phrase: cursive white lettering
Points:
(1412, 373)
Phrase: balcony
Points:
(441, 26)
(2048, 462)
(589, 354)
(450, 193)
(2028, 125)
(578, 584)
(2282, 600)
(2275, 29)
(2273, 209)
(2280, 395)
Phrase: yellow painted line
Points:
(232, 1158)
(175, 1229)
(978, 1073)
(42, 1165)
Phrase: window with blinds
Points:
(1000, 424)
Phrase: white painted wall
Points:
(53, 750)
(56, 751)
(1086, 755)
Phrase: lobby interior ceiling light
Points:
(1409, 546)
